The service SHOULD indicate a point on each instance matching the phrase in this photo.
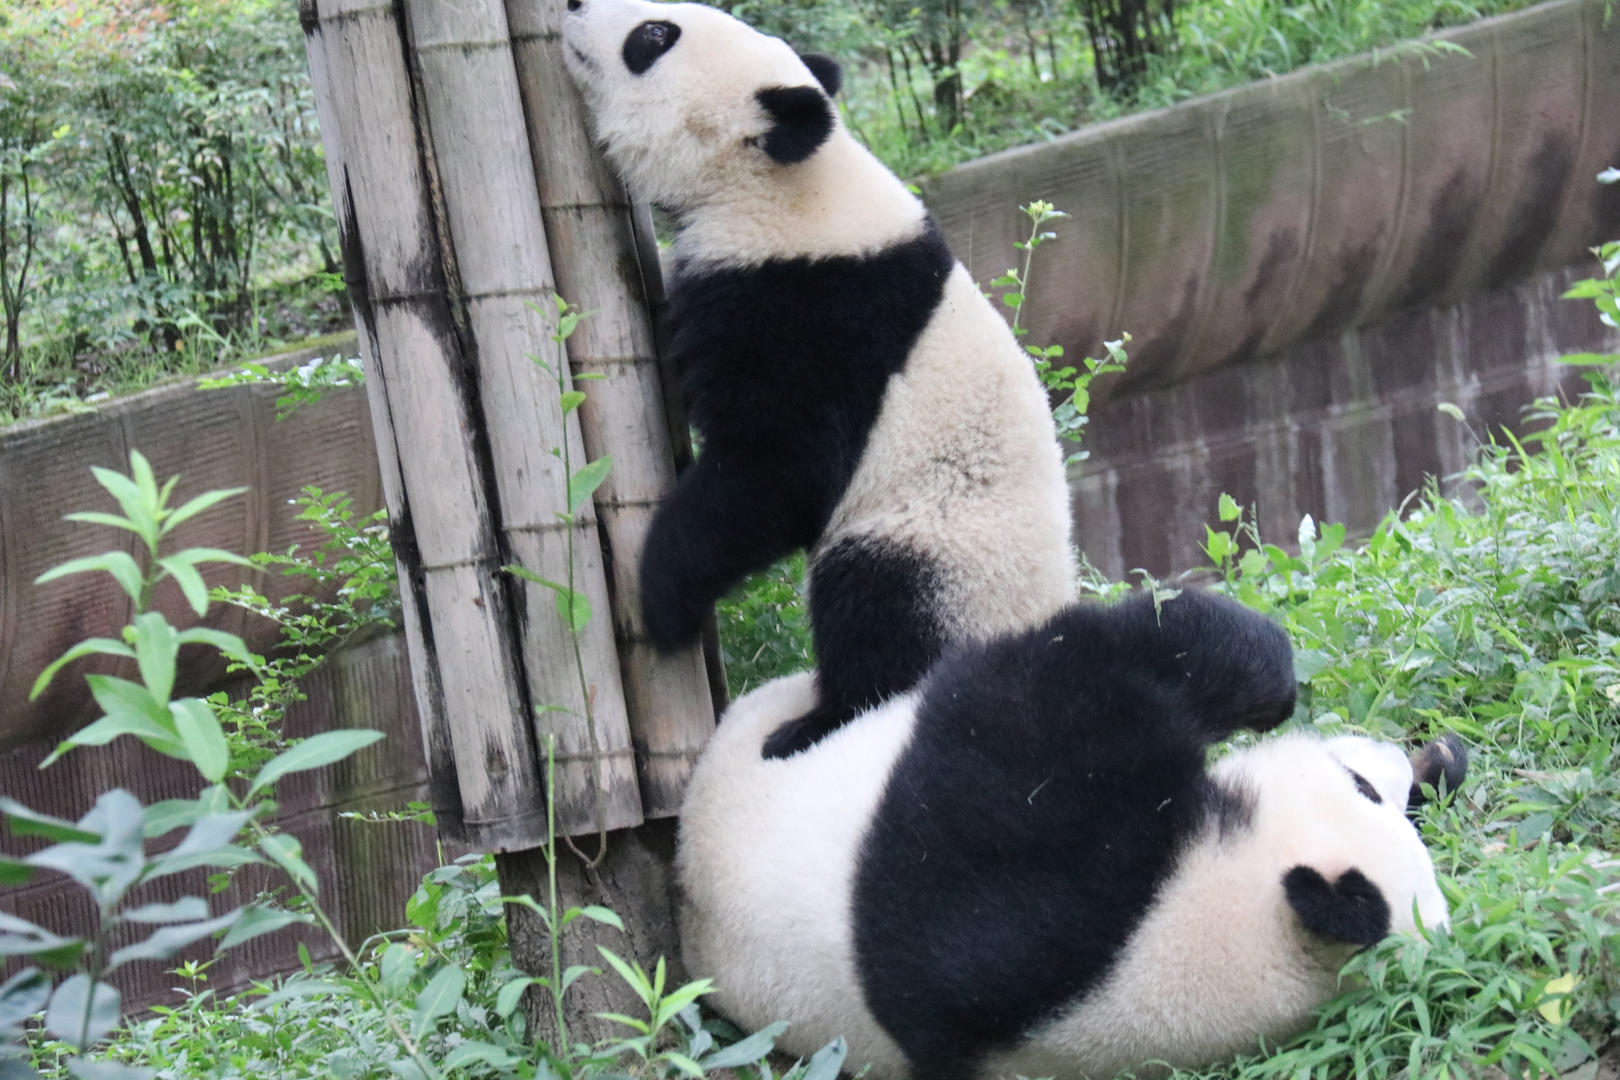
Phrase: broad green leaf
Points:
(529, 903)
(286, 852)
(137, 506)
(19, 937)
(210, 833)
(304, 988)
(474, 1052)
(570, 401)
(195, 556)
(680, 998)
(81, 1012)
(1557, 1005)
(166, 816)
(228, 644)
(1587, 359)
(396, 966)
(21, 999)
(1229, 508)
(14, 873)
(166, 941)
(603, 915)
(746, 1051)
(156, 646)
(193, 507)
(574, 609)
(96, 517)
(583, 484)
(120, 564)
(90, 1069)
(201, 735)
(140, 470)
(26, 822)
(683, 1063)
(312, 753)
(192, 585)
(259, 919)
(121, 697)
(108, 728)
(87, 647)
(511, 993)
(826, 1062)
(635, 979)
(185, 909)
(440, 998)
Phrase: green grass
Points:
(1495, 617)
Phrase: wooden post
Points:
(590, 227)
(448, 239)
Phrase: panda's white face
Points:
(1336, 805)
(675, 93)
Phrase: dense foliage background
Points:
(163, 199)
(162, 191)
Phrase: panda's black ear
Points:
(1443, 765)
(1352, 910)
(826, 71)
(801, 120)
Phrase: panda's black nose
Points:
(575, 5)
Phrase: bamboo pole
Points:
(424, 413)
(502, 286)
(590, 228)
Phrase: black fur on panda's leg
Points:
(1443, 765)
(1030, 755)
(1236, 666)
(724, 520)
(876, 633)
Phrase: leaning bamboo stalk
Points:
(475, 715)
(501, 283)
(588, 225)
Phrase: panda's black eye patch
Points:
(646, 43)
(1365, 788)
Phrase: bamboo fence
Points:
(453, 251)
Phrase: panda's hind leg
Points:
(873, 616)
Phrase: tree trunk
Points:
(637, 881)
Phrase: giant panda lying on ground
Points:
(1025, 868)
(856, 394)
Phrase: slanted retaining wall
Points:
(1308, 265)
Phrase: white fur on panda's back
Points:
(767, 856)
(964, 463)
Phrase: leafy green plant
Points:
(573, 607)
(104, 852)
(1071, 384)
(1495, 617)
(354, 592)
(303, 385)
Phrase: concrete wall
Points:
(1307, 266)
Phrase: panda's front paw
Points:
(671, 623)
(791, 738)
(670, 612)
